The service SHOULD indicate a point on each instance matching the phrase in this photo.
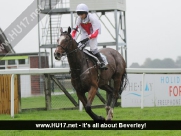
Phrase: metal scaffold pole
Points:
(39, 54)
(115, 27)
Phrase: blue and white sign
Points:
(159, 90)
(131, 96)
(168, 90)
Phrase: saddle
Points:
(89, 53)
(82, 44)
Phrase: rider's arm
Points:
(74, 32)
(77, 25)
(95, 25)
(94, 35)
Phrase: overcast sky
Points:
(153, 28)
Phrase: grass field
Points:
(154, 113)
(57, 101)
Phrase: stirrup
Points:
(103, 66)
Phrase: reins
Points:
(75, 51)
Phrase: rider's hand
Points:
(85, 40)
(89, 36)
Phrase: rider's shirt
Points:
(90, 26)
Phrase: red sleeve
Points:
(74, 32)
(94, 35)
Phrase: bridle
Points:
(67, 47)
(73, 51)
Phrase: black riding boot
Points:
(102, 65)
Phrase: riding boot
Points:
(102, 65)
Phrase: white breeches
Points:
(92, 43)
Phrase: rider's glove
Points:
(84, 41)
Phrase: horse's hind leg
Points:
(109, 91)
(91, 95)
(109, 98)
(117, 84)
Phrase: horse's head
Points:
(64, 44)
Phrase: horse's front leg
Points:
(82, 98)
(90, 98)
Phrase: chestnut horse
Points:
(85, 75)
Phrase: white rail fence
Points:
(35, 71)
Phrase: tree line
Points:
(157, 63)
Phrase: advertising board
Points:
(159, 90)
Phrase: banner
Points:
(159, 90)
(90, 125)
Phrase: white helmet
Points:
(82, 7)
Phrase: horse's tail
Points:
(124, 81)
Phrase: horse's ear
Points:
(61, 30)
(69, 30)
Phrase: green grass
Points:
(154, 113)
(57, 101)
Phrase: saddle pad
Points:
(91, 55)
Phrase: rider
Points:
(90, 28)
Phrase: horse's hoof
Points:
(100, 118)
(108, 119)
(110, 114)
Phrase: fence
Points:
(60, 90)
(48, 77)
(5, 99)
(47, 98)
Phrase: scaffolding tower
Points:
(55, 9)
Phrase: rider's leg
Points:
(102, 66)
(94, 50)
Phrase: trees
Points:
(178, 62)
(134, 65)
(157, 63)
(168, 63)
(147, 63)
